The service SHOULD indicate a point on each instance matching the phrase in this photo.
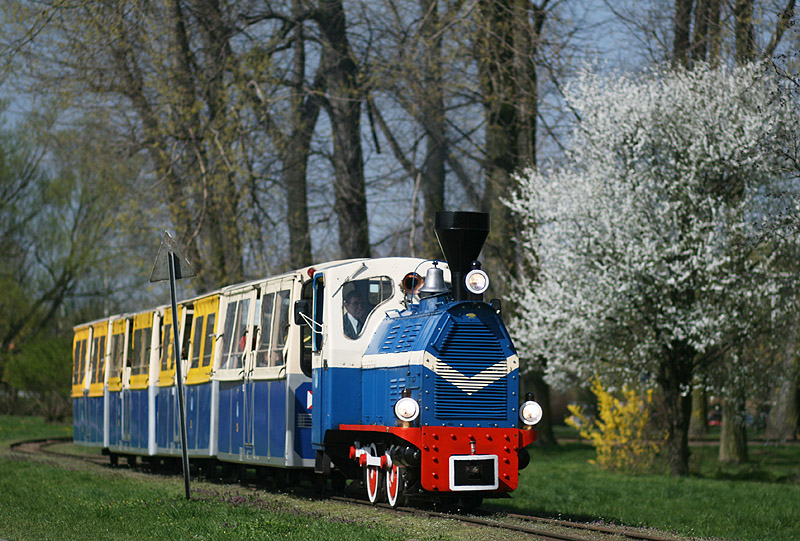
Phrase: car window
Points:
(360, 298)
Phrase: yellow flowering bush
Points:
(620, 434)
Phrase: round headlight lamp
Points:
(406, 409)
(530, 413)
(477, 281)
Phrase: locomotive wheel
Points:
(395, 486)
(373, 478)
(374, 481)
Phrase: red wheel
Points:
(394, 486)
(372, 478)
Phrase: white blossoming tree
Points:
(653, 245)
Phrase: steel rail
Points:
(541, 533)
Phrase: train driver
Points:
(355, 306)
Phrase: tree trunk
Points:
(714, 35)
(783, 417)
(743, 32)
(733, 438)
(535, 383)
(526, 39)
(344, 107)
(674, 376)
(782, 425)
(294, 178)
(433, 113)
(506, 51)
(784, 23)
(496, 61)
(304, 108)
(699, 45)
(224, 237)
(682, 23)
(698, 424)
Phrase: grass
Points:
(41, 498)
(13, 428)
(63, 498)
(767, 464)
(42, 502)
(758, 500)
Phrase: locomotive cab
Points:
(350, 303)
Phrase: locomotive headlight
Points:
(406, 409)
(530, 413)
(477, 281)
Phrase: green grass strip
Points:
(716, 502)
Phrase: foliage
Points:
(649, 235)
(42, 370)
(61, 233)
(621, 432)
(244, 109)
(655, 245)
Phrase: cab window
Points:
(98, 359)
(360, 298)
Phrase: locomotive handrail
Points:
(311, 323)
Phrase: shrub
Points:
(620, 433)
(38, 378)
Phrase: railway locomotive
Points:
(392, 371)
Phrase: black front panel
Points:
(477, 472)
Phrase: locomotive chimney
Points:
(461, 236)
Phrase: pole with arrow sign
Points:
(171, 265)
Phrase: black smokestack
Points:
(461, 236)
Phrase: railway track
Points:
(545, 529)
(43, 447)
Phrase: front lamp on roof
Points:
(477, 281)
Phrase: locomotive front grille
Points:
(470, 378)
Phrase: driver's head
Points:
(356, 305)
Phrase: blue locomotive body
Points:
(467, 371)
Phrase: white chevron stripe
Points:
(470, 385)
(475, 383)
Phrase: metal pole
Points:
(178, 378)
